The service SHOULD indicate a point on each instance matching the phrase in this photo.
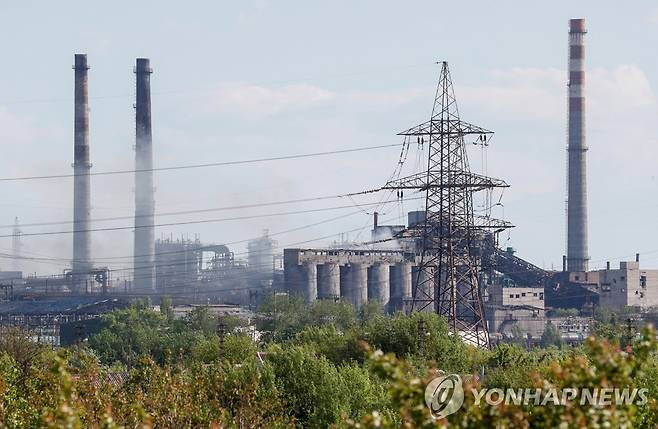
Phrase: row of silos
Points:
(354, 278)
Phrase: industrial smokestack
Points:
(144, 259)
(577, 257)
(16, 245)
(81, 264)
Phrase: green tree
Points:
(551, 336)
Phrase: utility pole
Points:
(421, 335)
(221, 334)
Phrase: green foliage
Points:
(167, 308)
(328, 341)
(424, 335)
(281, 318)
(565, 312)
(551, 336)
(127, 334)
(320, 394)
(145, 369)
(603, 365)
(310, 385)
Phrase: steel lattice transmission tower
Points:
(448, 274)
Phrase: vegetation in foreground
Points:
(323, 366)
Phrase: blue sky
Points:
(239, 80)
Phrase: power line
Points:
(107, 258)
(239, 253)
(210, 87)
(206, 165)
(202, 248)
(192, 222)
(183, 212)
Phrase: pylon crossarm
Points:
(455, 179)
(453, 127)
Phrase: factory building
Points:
(509, 306)
(262, 258)
(516, 296)
(384, 232)
(627, 286)
(185, 265)
(178, 263)
(357, 276)
(513, 310)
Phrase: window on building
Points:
(523, 294)
(517, 295)
(643, 281)
(541, 295)
(534, 294)
(511, 295)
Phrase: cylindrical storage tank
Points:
(301, 280)
(379, 284)
(354, 284)
(328, 281)
(400, 286)
(309, 282)
(293, 277)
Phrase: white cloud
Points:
(653, 16)
(540, 94)
(622, 89)
(258, 100)
(386, 99)
(530, 93)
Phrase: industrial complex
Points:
(446, 259)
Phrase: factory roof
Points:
(61, 305)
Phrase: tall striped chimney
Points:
(144, 249)
(577, 255)
(81, 263)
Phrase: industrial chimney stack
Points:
(144, 258)
(81, 264)
(577, 254)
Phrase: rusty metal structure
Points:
(81, 263)
(447, 276)
(144, 246)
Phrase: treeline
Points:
(319, 366)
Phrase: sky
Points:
(252, 79)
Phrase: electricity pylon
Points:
(447, 277)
